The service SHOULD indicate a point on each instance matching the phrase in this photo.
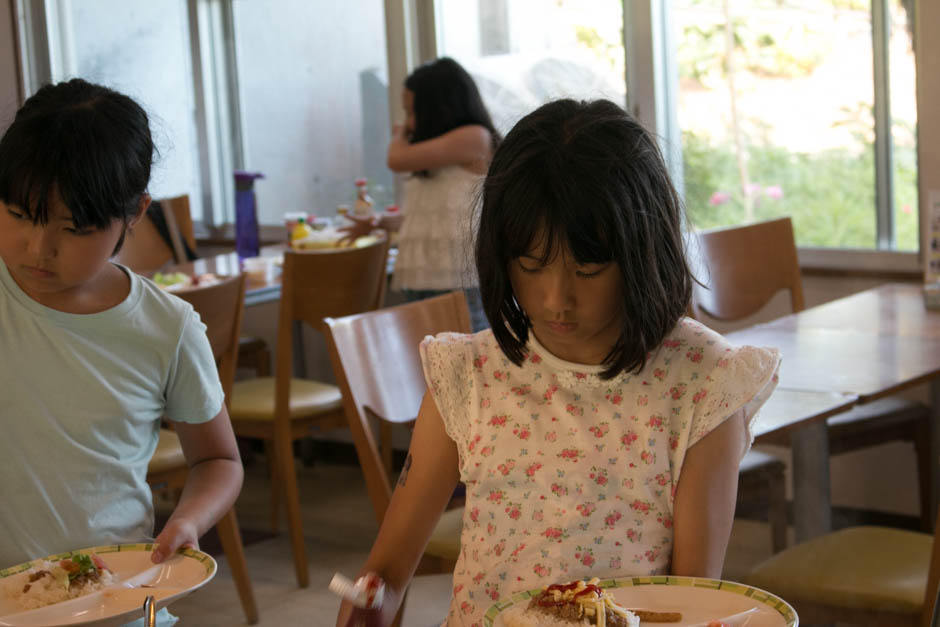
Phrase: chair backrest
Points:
(316, 284)
(743, 267)
(378, 369)
(220, 306)
(146, 250)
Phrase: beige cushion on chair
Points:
(858, 567)
(445, 539)
(169, 453)
(253, 399)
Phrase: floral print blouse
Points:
(569, 475)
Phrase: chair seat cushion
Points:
(168, 455)
(858, 567)
(445, 539)
(253, 399)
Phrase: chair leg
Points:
(777, 510)
(276, 487)
(922, 451)
(231, 539)
(287, 475)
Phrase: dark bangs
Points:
(590, 178)
(84, 142)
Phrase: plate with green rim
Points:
(699, 600)
(135, 578)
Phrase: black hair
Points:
(87, 143)
(590, 178)
(445, 98)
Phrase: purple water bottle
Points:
(246, 215)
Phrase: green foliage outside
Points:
(830, 196)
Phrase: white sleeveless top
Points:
(435, 242)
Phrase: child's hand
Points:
(176, 534)
(359, 227)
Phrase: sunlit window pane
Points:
(314, 102)
(523, 53)
(775, 104)
(142, 49)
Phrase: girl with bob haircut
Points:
(597, 430)
(445, 144)
(101, 354)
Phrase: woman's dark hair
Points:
(446, 98)
(90, 144)
(590, 178)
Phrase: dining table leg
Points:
(934, 446)
(812, 504)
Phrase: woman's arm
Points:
(214, 481)
(705, 499)
(465, 145)
(424, 487)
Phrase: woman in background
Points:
(445, 143)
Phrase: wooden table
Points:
(872, 344)
(257, 289)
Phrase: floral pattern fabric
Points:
(569, 475)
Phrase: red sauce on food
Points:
(547, 599)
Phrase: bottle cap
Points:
(391, 209)
(361, 181)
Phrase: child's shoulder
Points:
(458, 347)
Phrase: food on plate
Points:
(169, 279)
(51, 582)
(575, 603)
(649, 616)
(175, 281)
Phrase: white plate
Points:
(122, 602)
(699, 600)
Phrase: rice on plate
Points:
(53, 582)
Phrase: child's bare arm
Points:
(705, 498)
(464, 145)
(423, 489)
(214, 481)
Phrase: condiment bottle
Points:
(300, 231)
(363, 205)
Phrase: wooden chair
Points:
(378, 369)
(878, 576)
(745, 267)
(146, 250)
(281, 409)
(220, 307)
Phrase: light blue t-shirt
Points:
(81, 398)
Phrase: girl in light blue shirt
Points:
(94, 356)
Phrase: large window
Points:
(765, 107)
(779, 116)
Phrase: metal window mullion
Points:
(34, 45)
(652, 77)
(885, 237)
(218, 123)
